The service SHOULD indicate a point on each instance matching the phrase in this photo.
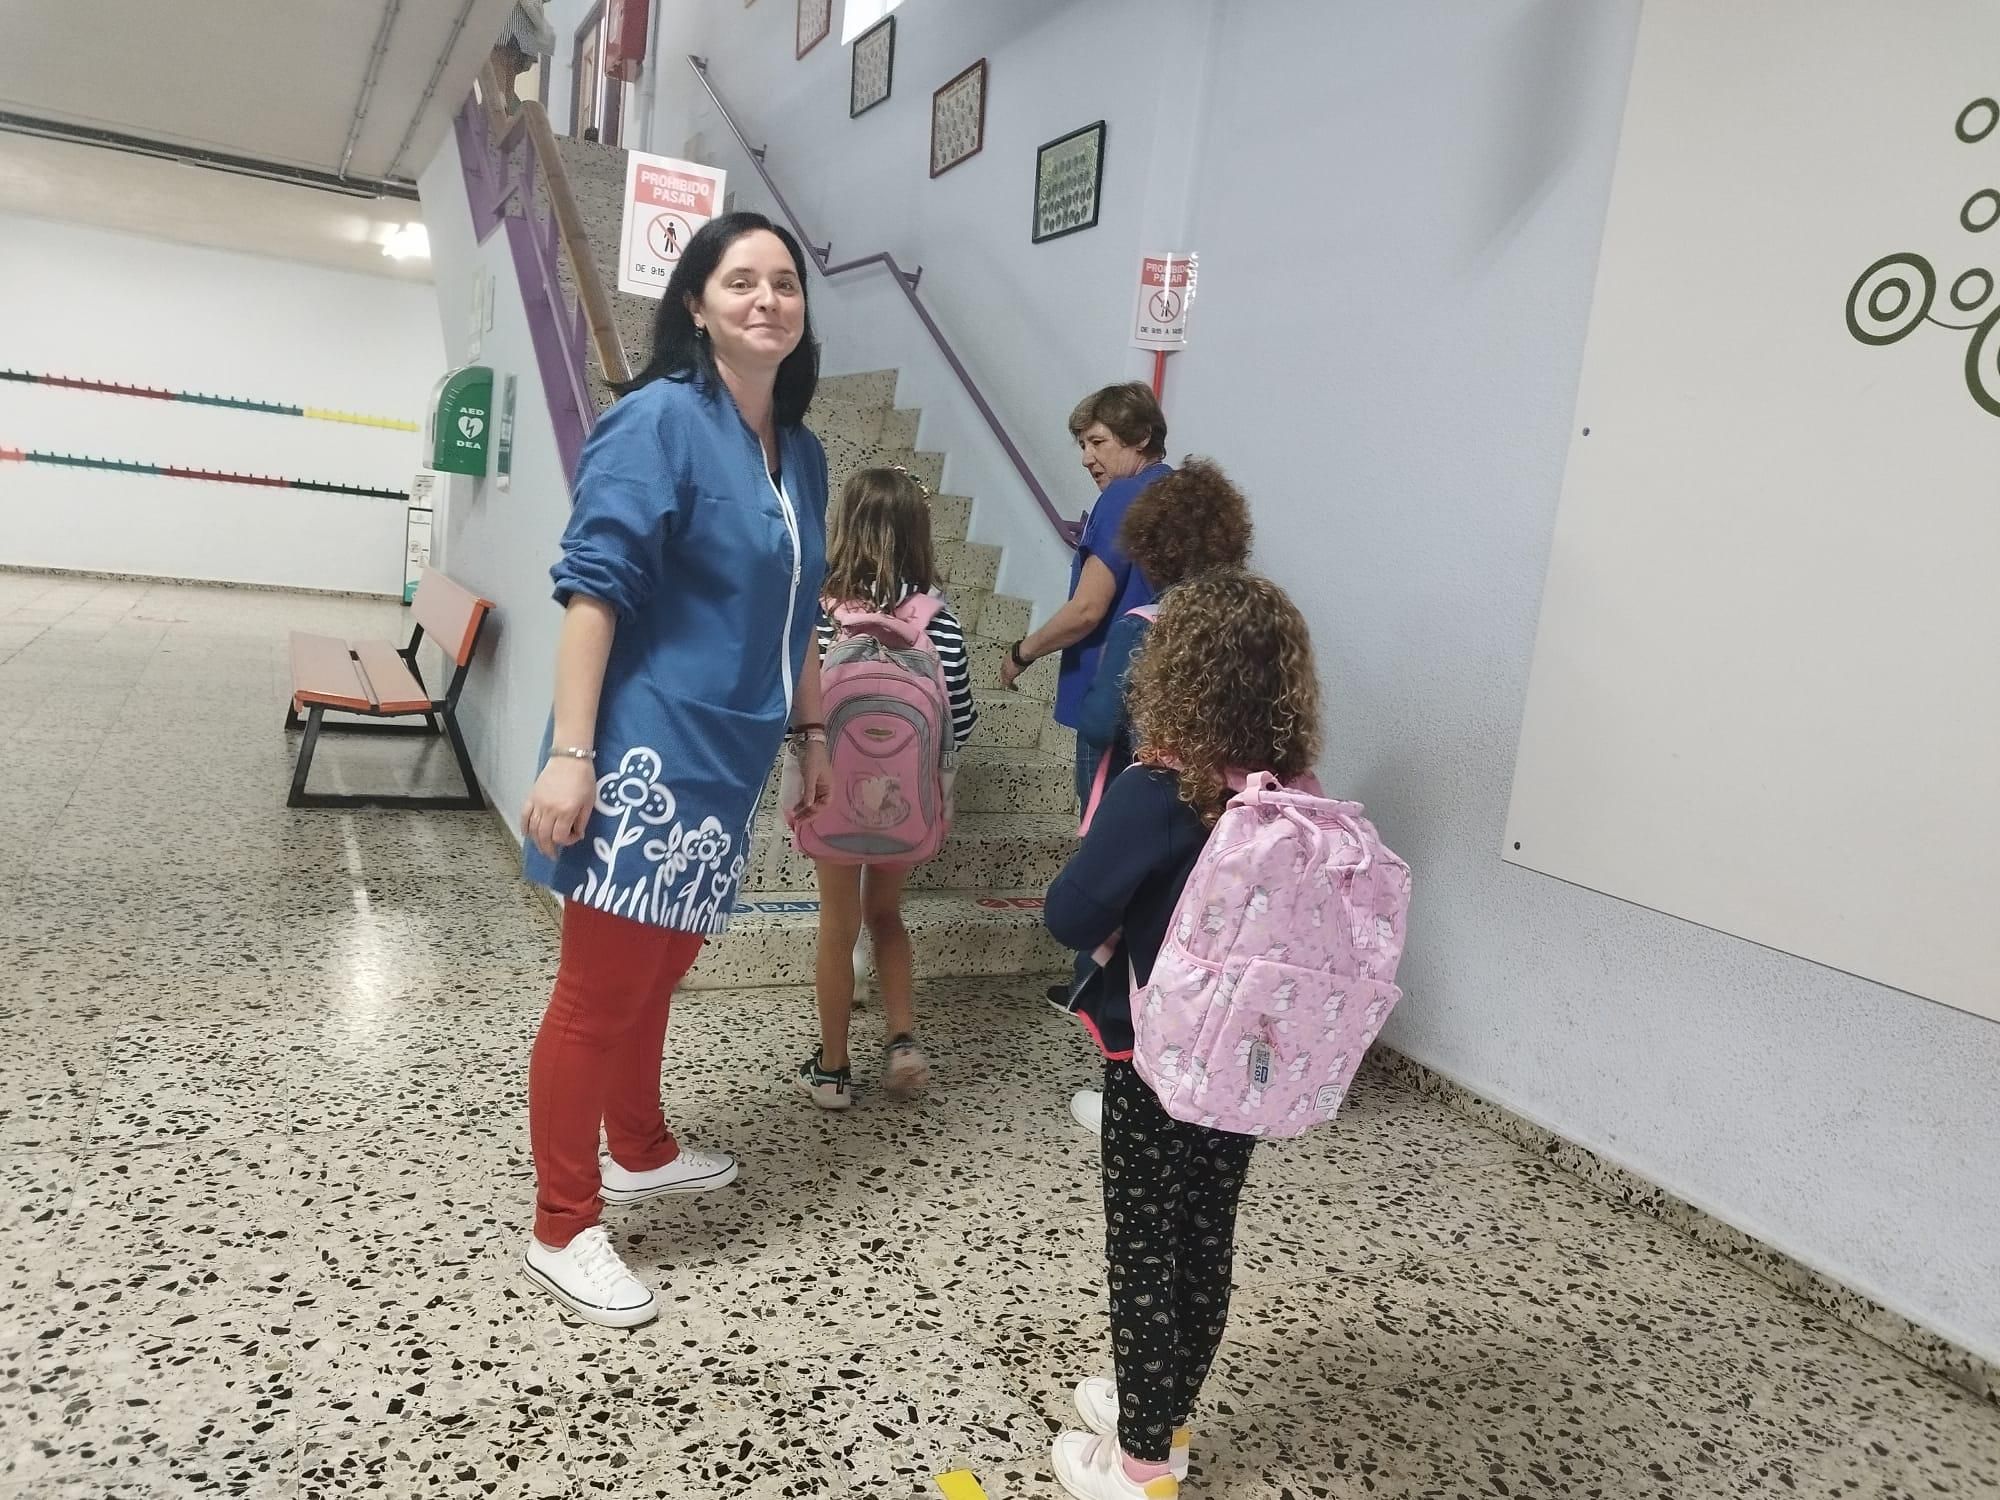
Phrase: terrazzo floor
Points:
(261, 1130)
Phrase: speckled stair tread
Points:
(1010, 720)
(954, 932)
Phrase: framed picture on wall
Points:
(958, 119)
(874, 65)
(1069, 180)
(815, 21)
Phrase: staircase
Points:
(976, 909)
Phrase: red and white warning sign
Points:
(1160, 312)
(666, 201)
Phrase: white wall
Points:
(98, 305)
(564, 16)
(1399, 213)
(1038, 325)
(1399, 227)
(499, 542)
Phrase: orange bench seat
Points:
(379, 680)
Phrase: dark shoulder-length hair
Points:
(679, 355)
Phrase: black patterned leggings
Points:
(1170, 1192)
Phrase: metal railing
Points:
(906, 282)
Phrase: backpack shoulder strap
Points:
(852, 618)
(919, 610)
(1147, 612)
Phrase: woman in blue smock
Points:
(1122, 435)
(689, 580)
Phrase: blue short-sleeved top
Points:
(714, 570)
(1100, 540)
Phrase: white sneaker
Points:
(1090, 1467)
(1097, 1404)
(693, 1171)
(1086, 1107)
(587, 1276)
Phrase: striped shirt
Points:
(949, 638)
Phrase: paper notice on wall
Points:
(666, 203)
(1165, 295)
(417, 530)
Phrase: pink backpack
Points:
(888, 735)
(1280, 967)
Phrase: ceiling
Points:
(346, 92)
(195, 206)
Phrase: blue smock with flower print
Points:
(714, 570)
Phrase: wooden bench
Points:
(379, 681)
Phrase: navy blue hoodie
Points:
(1126, 877)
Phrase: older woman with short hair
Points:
(1122, 437)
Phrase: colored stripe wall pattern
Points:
(237, 403)
(217, 476)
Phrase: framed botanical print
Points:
(958, 119)
(815, 20)
(1069, 181)
(874, 67)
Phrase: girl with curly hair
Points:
(1192, 522)
(1226, 686)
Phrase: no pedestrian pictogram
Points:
(668, 235)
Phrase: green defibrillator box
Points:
(461, 420)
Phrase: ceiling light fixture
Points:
(407, 241)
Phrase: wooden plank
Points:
(323, 672)
(389, 679)
(450, 614)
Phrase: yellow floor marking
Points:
(960, 1485)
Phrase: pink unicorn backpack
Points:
(1280, 967)
(888, 735)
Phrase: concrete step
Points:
(1010, 721)
(950, 515)
(993, 779)
(865, 421)
(869, 388)
(988, 655)
(899, 427)
(844, 458)
(968, 604)
(986, 852)
(955, 934)
(1005, 618)
(592, 161)
(969, 564)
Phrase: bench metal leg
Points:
(409, 655)
(306, 747)
(473, 800)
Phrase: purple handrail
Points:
(1069, 531)
(500, 190)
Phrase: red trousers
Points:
(597, 1060)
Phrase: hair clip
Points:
(922, 488)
